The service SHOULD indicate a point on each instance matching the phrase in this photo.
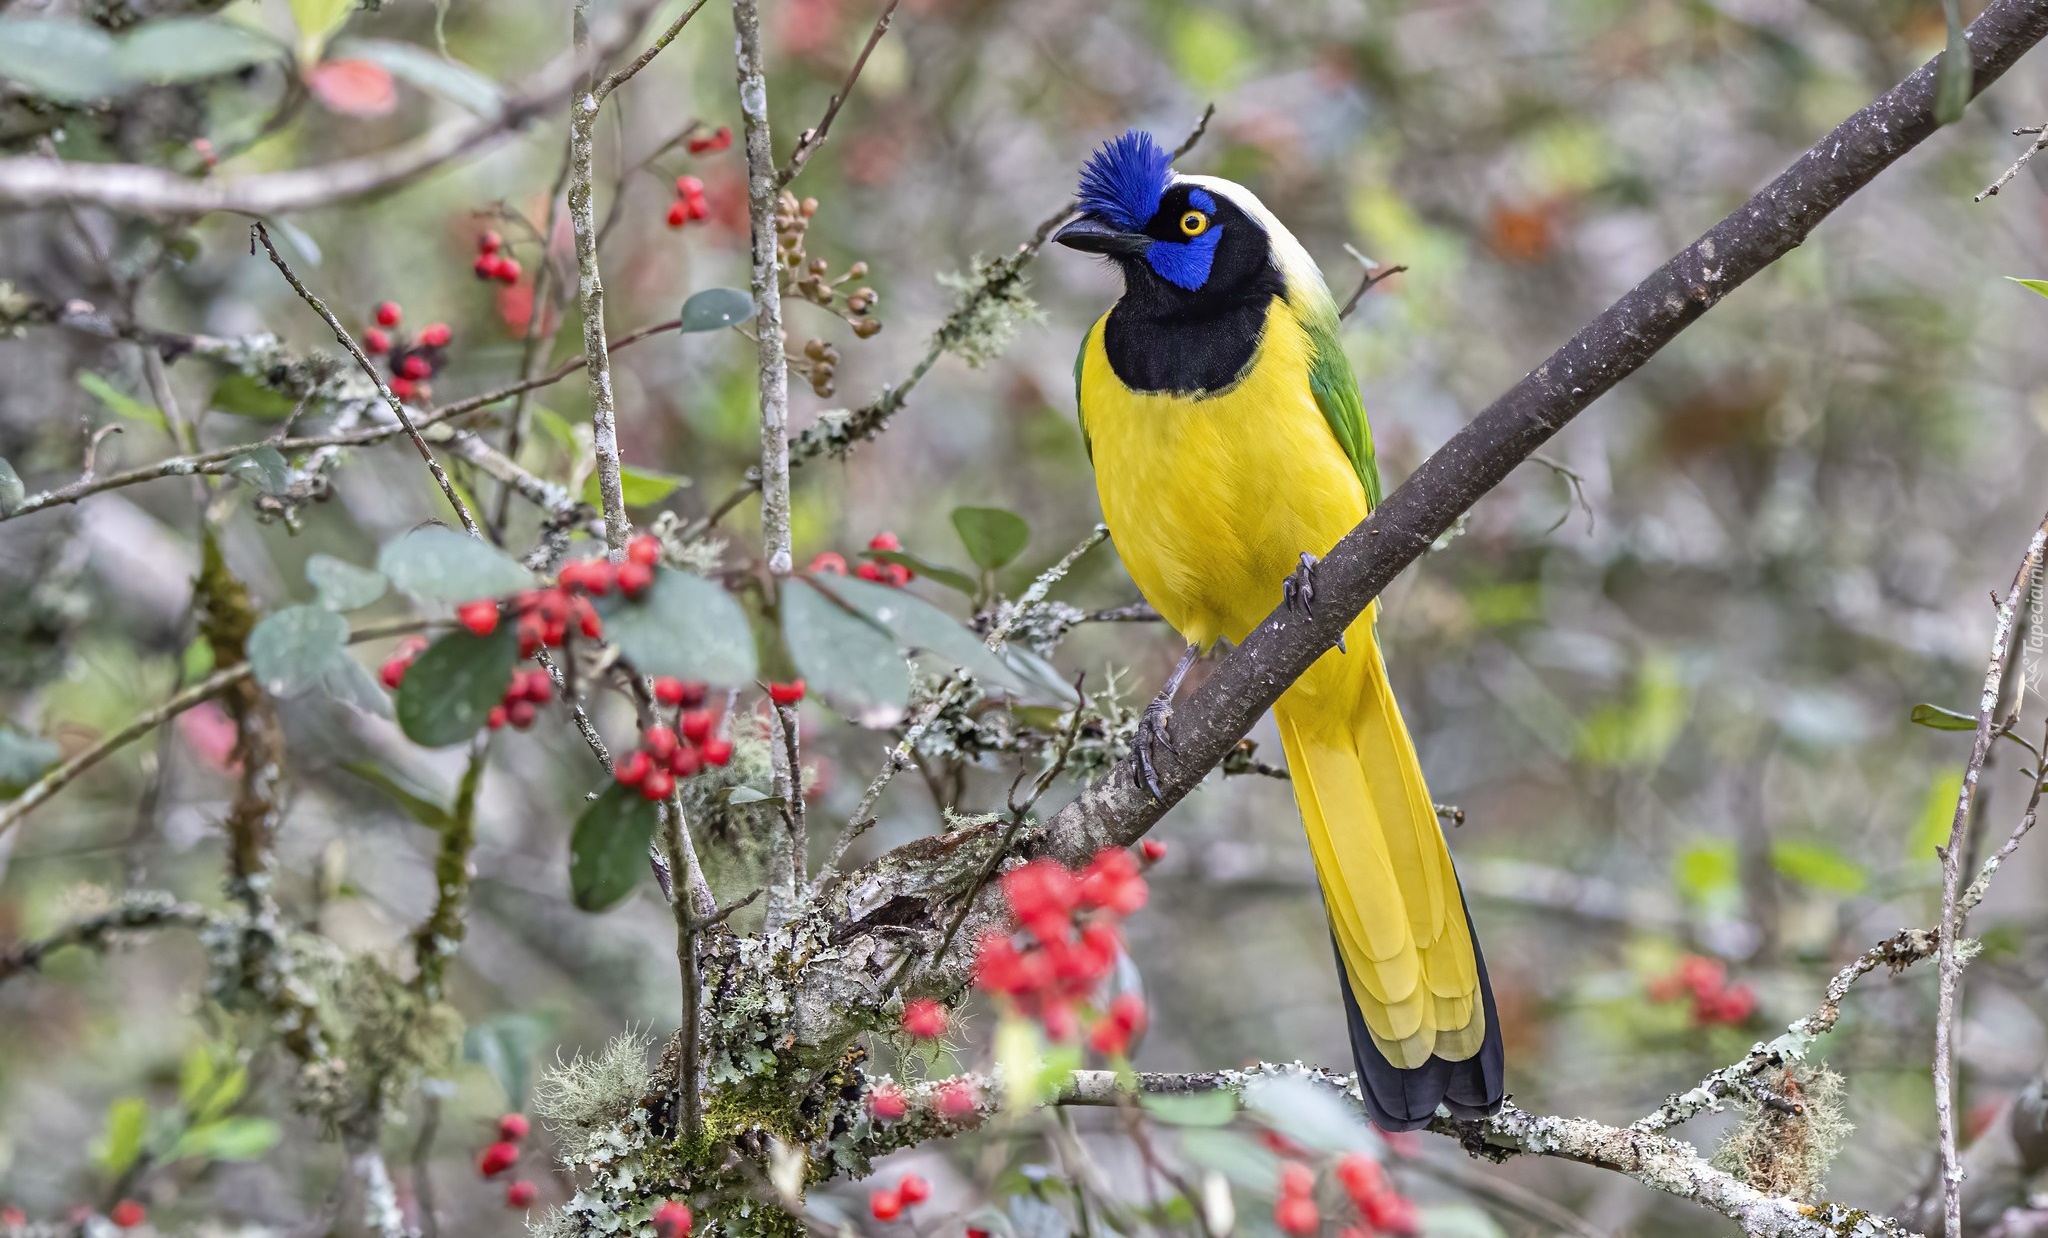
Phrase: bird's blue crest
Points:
(1123, 181)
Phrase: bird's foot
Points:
(1153, 734)
(1299, 591)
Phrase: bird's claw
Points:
(1299, 589)
(1153, 734)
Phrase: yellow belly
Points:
(1212, 501)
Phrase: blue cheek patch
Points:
(1185, 263)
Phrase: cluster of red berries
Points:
(1714, 1000)
(1069, 923)
(125, 1215)
(503, 1155)
(672, 1220)
(832, 563)
(710, 143)
(492, 262)
(666, 752)
(889, 1202)
(529, 691)
(690, 202)
(393, 671)
(1383, 1209)
(546, 616)
(412, 362)
(954, 1100)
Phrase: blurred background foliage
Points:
(1668, 687)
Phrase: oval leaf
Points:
(684, 626)
(263, 468)
(639, 487)
(608, 850)
(844, 657)
(243, 394)
(295, 648)
(921, 626)
(23, 759)
(442, 565)
(68, 61)
(449, 692)
(191, 49)
(1936, 718)
(12, 492)
(343, 585)
(715, 308)
(2036, 286)
(993, 536)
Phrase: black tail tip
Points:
(1406, 1100)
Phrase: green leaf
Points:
(1310, 1114)
(191, 49)
(993, 536)
(295, 648)
(438, 563)
(845, 658)
(197, 662)
(608, 850)
(67, 61)
(1707, 871)
(23, 759)
(448, 693)
(195, 1076)
(505, 1045)
(683, 626)
(422, 809)
(1934, 717)
(452, 80)
(946, 576)
(342, 585)
(748, 795)
(1240, 1158)
(1952, 78)
(2035, 285)
(1195, 1109)
(12, 492)
(318, 19)
(1937, 815)
(228, 1139)
(559, 428)
(348, 682)
(639, 486)
(921, 626)
(716, 308)
(226, 1090)
(122, 405)
(121, 1141)
(243, 395)
(1639, 732)
(263, 468)
(1818, 865)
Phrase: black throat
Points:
(1182, 346)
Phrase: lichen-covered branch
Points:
(440, 935)
(765, 281)
(138, 912)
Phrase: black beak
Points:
(1092, 236)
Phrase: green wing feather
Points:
(1336, 392)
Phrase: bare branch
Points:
(137, 912)
(814, 137)
(2039, 144)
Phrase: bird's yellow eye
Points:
(1194, 223)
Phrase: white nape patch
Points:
(1296, 267)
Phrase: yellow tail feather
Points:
(1386, 875)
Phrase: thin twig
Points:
(814, 137)
(138, 911)
(348, 341)
(1374, 273)
(624, 73)
(1574, 482)
(1195, 134)
(2040, 144)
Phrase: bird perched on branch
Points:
(1230, 450)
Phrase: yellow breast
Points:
(1211, 501)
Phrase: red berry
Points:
(633, 770)
(873, 571)
(1361, 1177)
(521, 1194)
(830, 561)
(657, 784)
(689, 187)
(507, 271)
(668, 690)
(887, 1103)
(496, 718)
(955, 1099)
(587, 621)
(376, 340)
(715, 142)
(486, 266)
(1297, 1179)
(717, 751)
(686, 761)
(1154, 850)
(514, 1126)
(1390, 1214)
(886, 1205)
(415, 367)
(1296, 1214)
(897, 575)
(127, 1214)
(659, 741)
(539, 688)
(436, 335)
(644, 550)
(12, 1217)
(914, 1189)
(924, 1019)
(388, 314)
(696, 724)
(678, 215)
(699, 208)
(672, 1220)
(786, 693)
(884, 541)
(489, 243)
(634, 578)
(480, 616)
(497, 1158)
(521, 714)
(404, 388)
(392, 673)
